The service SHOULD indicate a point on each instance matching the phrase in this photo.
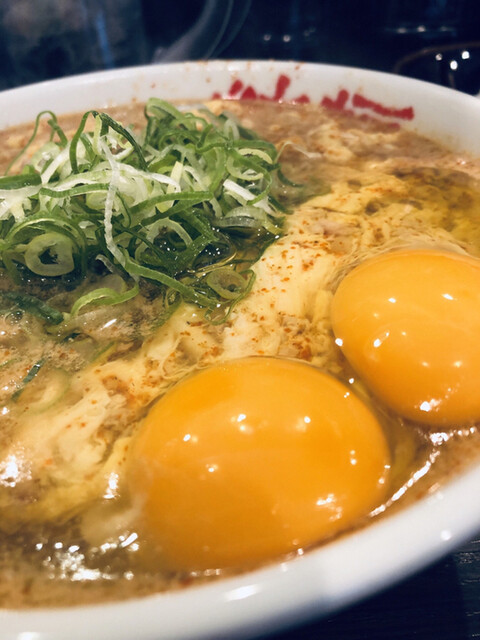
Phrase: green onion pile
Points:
(185, 205)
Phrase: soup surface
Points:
(101, 499)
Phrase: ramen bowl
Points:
(345, 570)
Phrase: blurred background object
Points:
(401, 36)
(42, 39)
(200, 30)
(435, 40)
(451, 65)
(45, 39)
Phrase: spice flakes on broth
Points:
(96, 489)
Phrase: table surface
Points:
(440, 603)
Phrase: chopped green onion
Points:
(22, 180)
(185, 197)
(29, 304)
(59, 249)
(103, 295)
(226, 282)
(33, 372)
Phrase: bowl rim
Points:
(322, 581)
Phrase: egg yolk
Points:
(409, 323)
(252, 459)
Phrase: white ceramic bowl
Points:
(360, 564)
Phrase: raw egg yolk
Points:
(409, 323)
(252, 459)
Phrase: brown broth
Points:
(52, 563)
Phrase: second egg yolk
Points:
(248, 460)
(409, 323)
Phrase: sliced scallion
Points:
(167, 205)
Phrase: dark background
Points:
(376, 34)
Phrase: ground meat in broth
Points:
(360, 174)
